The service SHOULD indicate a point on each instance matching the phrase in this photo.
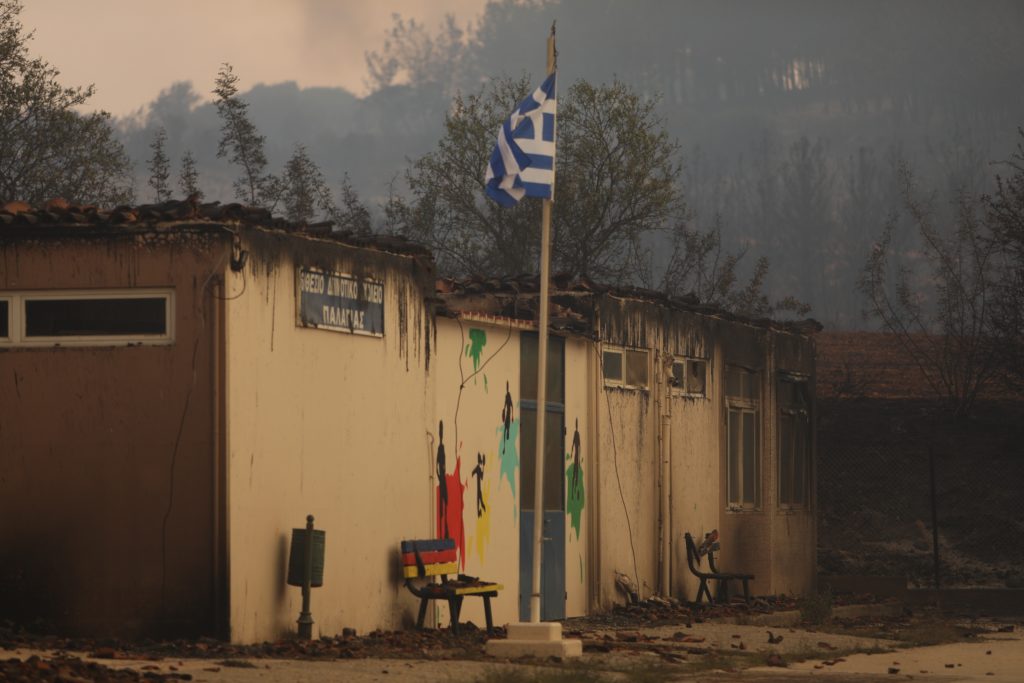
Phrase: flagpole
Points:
(542, 374)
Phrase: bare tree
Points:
(699, 266)
(1006, 216)
(940, 316)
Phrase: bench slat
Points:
(482, 588)
(436, 569)
(428, 545)
(429, 557)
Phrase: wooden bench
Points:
(708, 547)
(424, 560)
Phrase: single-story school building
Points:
(182, 384)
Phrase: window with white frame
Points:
(742, 402)
(689, 376)
(625, 367)
(794, 442)
(87, 317)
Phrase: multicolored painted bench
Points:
(424, 560)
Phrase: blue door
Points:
(552, 583)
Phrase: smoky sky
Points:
(133, 49)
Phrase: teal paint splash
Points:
(508, 456)
(575, 496)
(475, 347)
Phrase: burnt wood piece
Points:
(424, 561)
(723, 578)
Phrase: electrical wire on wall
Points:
(615, 462)
(463, 379)
(184, 414)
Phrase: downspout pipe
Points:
(665, 439)
(666, 525)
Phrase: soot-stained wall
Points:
(776, 545)
(331, 424)
(107, 452)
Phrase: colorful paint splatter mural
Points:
(475, 349)
(575, 497)
(449, 499)
(508, 436)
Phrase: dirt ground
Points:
(658, 643)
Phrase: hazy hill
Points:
(791, 113)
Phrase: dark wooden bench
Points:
(709, 547)
(426, 560)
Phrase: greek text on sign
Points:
(339, 302)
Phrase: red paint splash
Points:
(453, 515)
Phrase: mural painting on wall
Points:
(475, 349)
(449, 499)
(575, 498)
(483, 517)
(508, 456)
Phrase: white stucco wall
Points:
(695, 475)
(330, 424)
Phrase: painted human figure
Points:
(576, 457)
(442, 485)
(478, 472)
(506, 415)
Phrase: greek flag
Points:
(523, 162)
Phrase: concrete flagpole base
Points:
(536, 640)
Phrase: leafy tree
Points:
(447, 209)
(304, 192)
(188, 181)
(617, 181)
(353, 215)
(617, 191)
(242, 144)
(47, 148)
(306, 196)
(159, 166)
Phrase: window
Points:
(794, 442)
(87, 318)
(743, 434)
(612, 363)
(689, 376)
(625, 367)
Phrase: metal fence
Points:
(903, 494)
